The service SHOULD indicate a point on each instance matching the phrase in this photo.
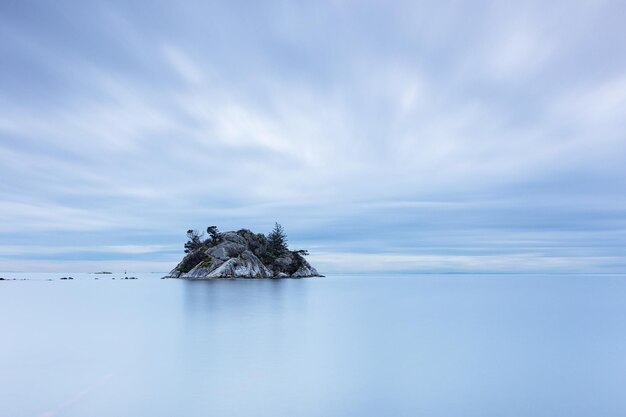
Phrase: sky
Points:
(417, 136)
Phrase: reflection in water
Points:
(238, 295)
(345, 346)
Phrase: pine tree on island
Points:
(277, 242)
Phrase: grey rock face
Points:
(199, 271)
(282, 264)
(233, 237)
(305, 271)
(247, 266)
(226, 250)
(234, 257)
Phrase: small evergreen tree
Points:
(195, 241)
(214, 233)
(190, 260)
(277, 242)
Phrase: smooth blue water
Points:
(429, 345)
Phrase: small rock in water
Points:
(2, 279)
(63, 277)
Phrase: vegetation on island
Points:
(272, 250)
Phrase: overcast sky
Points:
(423, 136)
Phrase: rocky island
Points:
(241, 254)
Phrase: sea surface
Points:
(349, 345)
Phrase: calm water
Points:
(337, 346)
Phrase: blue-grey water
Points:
(409, 345)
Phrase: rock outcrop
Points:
(241, 254)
